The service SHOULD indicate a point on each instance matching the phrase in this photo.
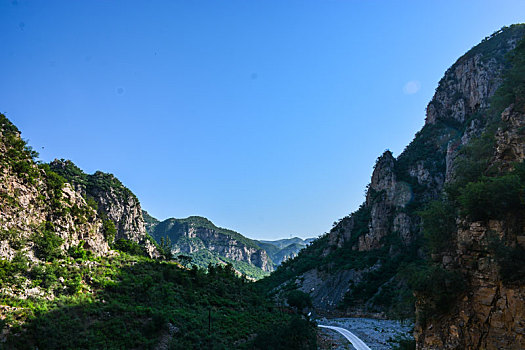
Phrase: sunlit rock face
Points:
(114, 201)
(30, 204)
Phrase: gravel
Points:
(377, 334)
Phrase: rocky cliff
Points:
(38, 211)
(196, 234)
(114, 202)
(487, 250)
(374, 259)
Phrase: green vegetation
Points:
(492, 198)
(511, 261)
(203, 258)
(439, 225)
(108, 227)
(437, 289)
(299, 300)
(297, 334)
(176, 232)
(47, 243)
(18, 155)
(93, 184)
(129, 301)
(127, 246)
(175, 227)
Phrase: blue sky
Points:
(264, 116)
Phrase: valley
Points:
(438, 243)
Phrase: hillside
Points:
(443, 220)
(205, 243)
(76, 271)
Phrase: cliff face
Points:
(195, 234)
(491, 312)
(114, 202)
(360, 265)
(34, 203)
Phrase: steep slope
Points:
(483, 245)
(206, 243)
(114, 202)
(39, 213)
(375, 258)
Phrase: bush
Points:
(48, 244)
(130, 247)
(108, 227)
(78, 251)
(511, 262)
(437, 289)
(298, 334)
(439, 223)
(491, 198)
(299, 300)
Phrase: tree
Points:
(165, 247)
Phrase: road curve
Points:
(356, 342)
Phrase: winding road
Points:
(356, 342)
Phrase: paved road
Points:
(356, 342)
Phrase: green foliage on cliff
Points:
(437, 289)
(439, 225)
(47, 243)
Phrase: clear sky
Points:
(264, 116)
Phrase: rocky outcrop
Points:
(491, 314)
(114, 201)
(510, 139)
(33, 201)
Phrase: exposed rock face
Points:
(193, 234)
(327, 289)
(492, 314)
(465, 88)
(30, 203)
(510, 139)
(115, 202)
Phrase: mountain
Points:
(284, 249)
(442, 224)
(79, 271)
(205, 243)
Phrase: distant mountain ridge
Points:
(206, 243)
(283, 249)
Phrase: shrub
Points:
(491, 198)
(299, 299)
(511, 262)
(437, 289)
(297, 334)
(130, 247)
(48, 244)
(439, 222)
(108, 227)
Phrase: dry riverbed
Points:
(377, 334)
